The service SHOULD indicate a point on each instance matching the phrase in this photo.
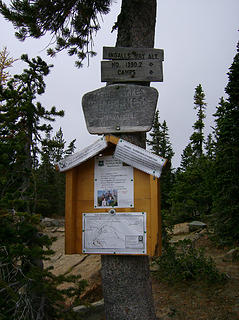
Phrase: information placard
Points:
(120, 233)
(113, 183)
(77, 158)
(139, 158)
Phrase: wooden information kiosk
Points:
(112, 199)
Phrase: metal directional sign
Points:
(131, 70)
(119, 53)
(120, 108)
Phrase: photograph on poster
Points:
(107, 198)
(113, 183)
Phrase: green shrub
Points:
(27, 290)
(182, 262)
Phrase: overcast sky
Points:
(199, 40)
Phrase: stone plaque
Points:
(131, 70)
(119, 53)
(120, 108)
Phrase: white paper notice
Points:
(114, 183)
(75, 159)
(121, 233)
(139, 158)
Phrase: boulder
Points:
(196, 226)
(232, 255)
(48, 222)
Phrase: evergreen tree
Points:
(197, 138)
(155, 135)
(194, 150)
(50, 184)
(21, 129)
(191, 195)
(187, 157)
(160, 141)
(210, 147)
(72, 23)
(226, 200)
(27, 291)
(5, 62)
(161, 146)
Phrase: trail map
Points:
(120, 233)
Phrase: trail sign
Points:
(131, 70)
(119, 53)
(120, 108)
(132, 64)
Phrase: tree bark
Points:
(126, 280)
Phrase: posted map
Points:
(119, 233)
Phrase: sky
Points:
(199, 40)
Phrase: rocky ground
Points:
(182, 301)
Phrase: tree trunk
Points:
(126, 279)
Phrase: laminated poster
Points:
(118, 233)
(113, 183)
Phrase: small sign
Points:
(120, 233)
(131, 70)
(113, 183)
(139, 158)
(120, 108)
(120, 53)
(75, 159)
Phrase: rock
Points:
(180, 228)
(96, 306)
(48, 222)
(232, 255)
(196, 225)
(61, 229)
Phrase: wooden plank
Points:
(131, 70)
(159, 251)
(155, 217)
(70, 211)
(120, 108)
(120, 53)
(112, 139)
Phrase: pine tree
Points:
(226, 200)
(161, 146)
(71, 23)
(5, 62)
(21, 129)
(50, 184)
(194, 150)
(187, 157)
(197, 138)
(210, 147)
(192, 195)
(27, 290)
